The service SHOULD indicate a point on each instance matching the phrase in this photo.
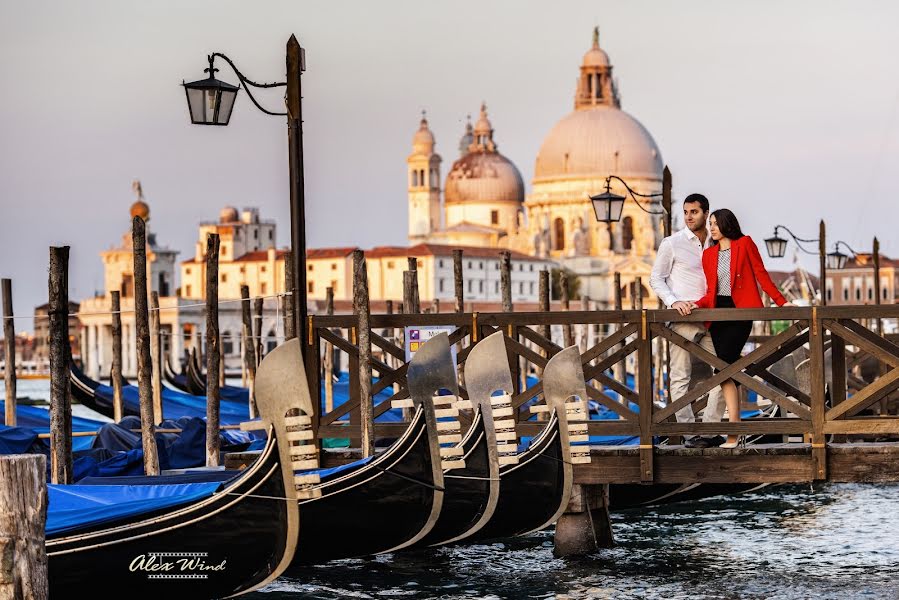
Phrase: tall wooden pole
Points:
(416, 299)
(362, 309)
(9, 337)
(563, 291)
(116, 374)
(295, 67)
(144, 361)
(878, 292)
(328, 362)
(458, 288)
(822, 256)
(505, 279)
(61, 470)
(213, 351)
(666, 200)
(23, 506)
(156, 357)
(619, 367)
(249, 347)
(290, 331)
(257, 328)
(545, 330)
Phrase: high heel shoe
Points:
(741, 442)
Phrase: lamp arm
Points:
(847, 246)
(246, 83)
(799, 241)
(634, 195)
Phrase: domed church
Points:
(484, 201)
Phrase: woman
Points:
(733, 271)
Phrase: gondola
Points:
(178, 381)
(150, 536)
(472, 487)
(197, 383)
(535, 484)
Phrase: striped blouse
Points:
(724, 272)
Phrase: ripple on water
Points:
(779, 543)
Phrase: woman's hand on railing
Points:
(788, 303)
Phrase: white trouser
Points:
(681, 370)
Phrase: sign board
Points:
(417, 335)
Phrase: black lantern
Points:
(608, 206)
(836, 259)
(210, 101)
(777, 246)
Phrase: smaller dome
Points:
(467, 139)
(483, 126)
(596, 56)
(140, 209)
(228, 215)
(423, 140)
(484, 177)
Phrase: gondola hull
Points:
(217, 547)
(374, 506)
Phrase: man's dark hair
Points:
(700, 199)
(728, 224)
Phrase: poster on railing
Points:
(417, 335)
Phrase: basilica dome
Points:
(598, 141)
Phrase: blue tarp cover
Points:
(74, 507)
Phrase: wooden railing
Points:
(831, 399)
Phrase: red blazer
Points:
(747, 271)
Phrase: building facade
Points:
(854, 283)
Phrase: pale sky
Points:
(785, 112)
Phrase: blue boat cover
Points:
(16, 440)
(73, 507)
(177, 404)
(37, 419)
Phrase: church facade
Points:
(484, 202)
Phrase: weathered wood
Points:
(458, 287)
(544, 301)
(644, 389)
(505, 280)
(290, 331)
(61, 470)
(9, 338)
(567, 334)
(586, 526)
(618, 370)
(156, 357)
(816, 354)
(142, 340)
(666, 200)
(258, 305)
(249, 347)
(328, 362)
(362, 310)
(116, 372)
(213, 352)
(822, 261)
(23, 518)
(413, 267)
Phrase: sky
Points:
(786, 112)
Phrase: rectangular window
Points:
(440, 285)
(262, 268)
(333, 266)
(334, 286)
(481, 287)
(309, 268)
(495, 287)
(389, 264)
(255, 234)
(532, 267)
(469, 264)
(494, 217)
(470, 286)
(187, 271)
(187, 291)
(440, 263)
(481, 265)
(263, 288)
(520, 287)
(270, 234)
(311, 287)
(224, 278)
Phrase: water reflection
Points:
(830, 541)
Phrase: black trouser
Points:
(729, 337)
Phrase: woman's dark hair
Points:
(728, 224)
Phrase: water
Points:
(785, 542)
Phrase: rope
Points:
(412, 479)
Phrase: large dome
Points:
(597, 142)
(484, 177)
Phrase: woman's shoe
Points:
(741, 442)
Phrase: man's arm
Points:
(661, 270)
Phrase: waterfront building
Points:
(854, 283)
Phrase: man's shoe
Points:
(716, 441)
(696, 442)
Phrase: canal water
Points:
(784, 542)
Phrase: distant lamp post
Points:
(210, 101)
(777, 248)
(836, 259)
(776, 245)
(608, 205)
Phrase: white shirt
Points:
(677, 272)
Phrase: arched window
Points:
(421, 178)
(559, 231)
(415, 178)
(627, 233)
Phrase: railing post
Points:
(816, 347)
(363, 313)
(644, 361)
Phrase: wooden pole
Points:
(290, 331)
(505, 280)
(822, 252)
(362, 309)
(156, 357)
(258, 305)
(116, 374)
(294, 104)
(328, 363)
(60, 401)
(435, 305)
(249, 347)
(9, 336)
(585, 329)
(409, 279)
(619, 367)
(875, 251)
(545, 330)
(563, 290)
(144, 361)
(416, 300)
(458, 288)
(213, 351)
(23, 507)
(666, 200)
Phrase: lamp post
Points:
(777, 247)
(211, 101)
(608, 205)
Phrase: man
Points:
(677, 279)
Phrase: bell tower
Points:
(423, 184)
(595, 86)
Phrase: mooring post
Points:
(585, 527)
(213, 351)
(258, 305)
(620, 368)
(9, 338)
(328, 362)
(116, 373)
(290, 330)
(505, 279)
(156, 357)
(458, 288)
(60, 400)
(363, 313)
(564, 292)
(249, 347)
(144, 361)
(23, 518)
(413, 268)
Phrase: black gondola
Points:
(84, 390)
(177, 381)
(239, 538)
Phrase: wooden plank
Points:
(729, 467)
(611, 404)
(749, 426)
(816, 355)
(874, 426)
(868, 396)
(645, 391)
(388, 347)
(838, 369)
(616, 386)
(871, 343)
(537, 339)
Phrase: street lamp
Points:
(836, 259)
(777, 247)
(211, 101)
(608, 206)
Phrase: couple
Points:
(718, 267)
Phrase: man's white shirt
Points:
(677, 272)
